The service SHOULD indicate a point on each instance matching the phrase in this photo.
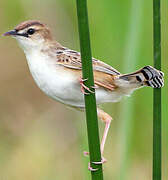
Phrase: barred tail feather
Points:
(153, 77)
(147, 76)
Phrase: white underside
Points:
(59, 84)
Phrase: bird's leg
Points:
(83, 87)
(107, 119)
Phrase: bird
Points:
(57, 71)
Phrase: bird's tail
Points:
(147, 76)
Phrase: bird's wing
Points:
(72, 59)
(103, 74)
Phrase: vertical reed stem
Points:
(157, 93)
(90, 101)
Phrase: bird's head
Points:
(30, 34)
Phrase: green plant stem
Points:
(157, 94)
(90, 101)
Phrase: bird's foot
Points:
(91, 169)
(84, 87)
(103, 160)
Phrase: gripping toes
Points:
(84, 87)
(96, 163)
(103, 160)
(91, 169)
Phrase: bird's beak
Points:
(11, 33)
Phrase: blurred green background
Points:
(41, 139)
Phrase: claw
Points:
(94, 87)
(83, 80)
(96, 163)
(91, 169)
(83, 87)
(86, 153)
(101, 162)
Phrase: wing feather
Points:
(104, 74)
(72, 59)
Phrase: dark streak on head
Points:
(27, 24)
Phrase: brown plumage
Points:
(27, 24)
(57, 71)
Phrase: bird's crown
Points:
(31, 29)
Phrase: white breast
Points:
(60, 84)
(54, 81)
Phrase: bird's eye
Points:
(30, 31)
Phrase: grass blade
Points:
(90, 101)
(157, 93)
